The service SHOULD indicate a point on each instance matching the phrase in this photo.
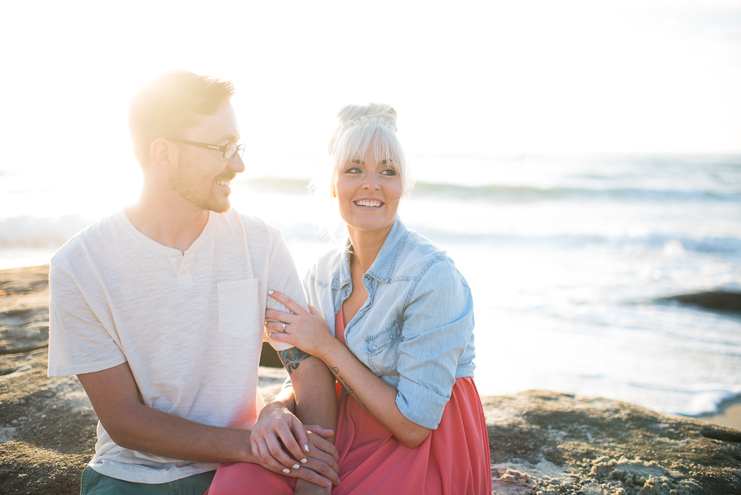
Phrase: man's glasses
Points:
(229, 150)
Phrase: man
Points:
(159, 311)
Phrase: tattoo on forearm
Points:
(292, 358)
(347, 387)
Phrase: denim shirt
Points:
(415, 330)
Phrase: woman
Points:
(393, 319)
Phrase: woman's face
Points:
(368, 191)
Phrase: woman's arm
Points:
(308, 331)
(373, 394)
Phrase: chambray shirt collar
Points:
(383, 267)
(343, 277)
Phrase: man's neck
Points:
(172, 223)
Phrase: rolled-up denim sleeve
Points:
(437, 326)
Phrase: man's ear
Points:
(163, 154)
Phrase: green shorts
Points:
(94, 483)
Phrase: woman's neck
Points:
(366, 246)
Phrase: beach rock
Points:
(714, 300)
(541, 442)
(24, 309)
(547, 443)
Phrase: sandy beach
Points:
(540, 441)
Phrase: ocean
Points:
(569, 259)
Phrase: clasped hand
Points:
(282, 444)
(305, 329)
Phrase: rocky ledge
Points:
(541, 442)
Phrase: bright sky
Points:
(466, 77)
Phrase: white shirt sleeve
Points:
(283, 278)
(78, 341)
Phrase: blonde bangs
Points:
(353, 141)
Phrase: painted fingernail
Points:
(286, 470)
(271, 291)
(295, 466)
(304, 460)
(306, 447)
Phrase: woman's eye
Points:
(352, 170)
(389, 171)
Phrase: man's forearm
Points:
(133, 425)
(156, 432)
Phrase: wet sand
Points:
(729, 414)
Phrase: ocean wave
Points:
(39, 233)
(509, 193)
(698, 401)
(650, 242)
(517, 193)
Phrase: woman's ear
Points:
(333, 187)
(163, 154)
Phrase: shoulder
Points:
(254, 229)
(420, 257)
(249, 222)
(432, 273)
(324, 269)
(96, 236)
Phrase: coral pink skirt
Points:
(453, 459)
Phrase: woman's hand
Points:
(314, 458)
(304, 329)
(277, 424)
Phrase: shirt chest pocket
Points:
(240, 312)
(382, 350)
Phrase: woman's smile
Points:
(369, 203)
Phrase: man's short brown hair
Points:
(168, 104)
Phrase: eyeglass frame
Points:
(222, 149)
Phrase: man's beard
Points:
(194, 191)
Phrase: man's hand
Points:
(279, 433)
(304, 487)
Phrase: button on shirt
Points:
(415, 330)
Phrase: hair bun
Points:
(373, 113)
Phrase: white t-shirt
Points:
(190, 324)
